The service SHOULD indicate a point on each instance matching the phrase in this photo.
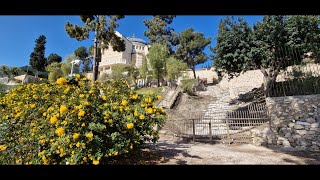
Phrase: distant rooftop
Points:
(136, 40)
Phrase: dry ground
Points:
(174, 151)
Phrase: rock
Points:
(287, 135)
(298, 126)
(314, 125)
(291, 140)
(310, 114)
(314, 148)
(286, 143)
(314, 106)
(291, 125)
(300, 102)
(296, 117)
(302, 142)
(310, 120)
(301, 132)
(296, 137)
(315, 129)
(311, 132)
(301, 148)
(310, 137)
(302, 123)
(314, 143)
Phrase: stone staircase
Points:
(215, 113)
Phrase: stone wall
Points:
(294, 122)
(245, 82)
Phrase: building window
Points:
(133, 46)
(142, 48)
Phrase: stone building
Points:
(134, 54)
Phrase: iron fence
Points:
(225, 127)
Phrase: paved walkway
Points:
(171, 150)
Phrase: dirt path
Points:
(171, 150)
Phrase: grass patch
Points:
(155, 90)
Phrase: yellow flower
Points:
(141, 117)
(90, 92)
(95, 162)
(44, 114)
(61, 81)
(124, 102)
(81, 113)
(89, 136)
(130, 125)
(86, 103)
(131, 146)
(76, 136)
(63, 109)
(135, 96)
(66, 90)
(78, 144)
(135, 113)
(150, 110)
(78, 76)
(110, 121)
(116, 153)
(33, 105)
(104, 97)
(53, 119)
(81, 95)
(83, 124)
(59, 131)
(3, 147)
(159, 97)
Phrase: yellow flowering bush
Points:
(75, 121)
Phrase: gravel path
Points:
(171, 150)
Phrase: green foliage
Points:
(104, 28)
(5, 71)
(146, 91)
(119, 71)
(159, 32)
(190, 48)
(187, 86)
(66, 65)
(271, 45)
(143, 70)
(157, 56)
(232, 52)
(174, 68)
(55, 71)
(37, 57)
(82, 54)
(69, 122)
(53, 57)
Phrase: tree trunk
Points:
(194, 72)
(269, 80)
(158, 80)
(96, 59)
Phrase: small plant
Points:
(187, 86)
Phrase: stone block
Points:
(301, 132)
(298, 127)
(310, 120)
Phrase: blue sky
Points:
(18, 33)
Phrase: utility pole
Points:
(96, 54)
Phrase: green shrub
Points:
(71, 122)
(187, 86)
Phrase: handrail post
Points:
(194, 130)
(228, 134)
(210, 131)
